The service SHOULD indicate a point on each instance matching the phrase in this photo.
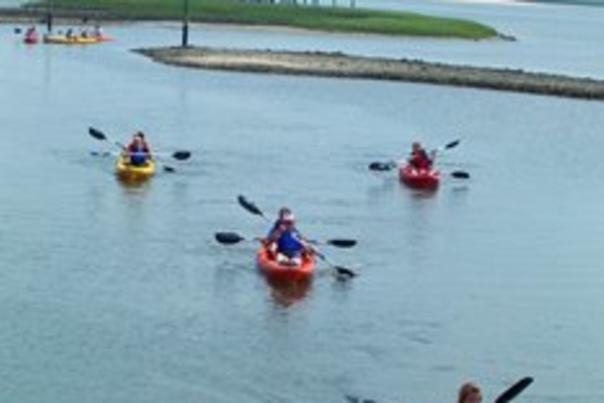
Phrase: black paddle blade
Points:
(17, 30)
(100, 154)
(249, 206)
(342, 273)
(342, 243)
(228, 238)
(514, 390)
(169, 169)
(97, 134)
(181, 155)
(380, 166)
(452, 144)
(460, 175)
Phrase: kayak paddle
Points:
(338, 243)
(340, 272)
(514, 390)
(100, 154)
(250, 207)
(452, 144)
(231, 238)
(180, 155)
(228, 238)
(99, 135)
(460, 175)
(382, 166)
(390, 165)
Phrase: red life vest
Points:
(420, 160)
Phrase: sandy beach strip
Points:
(342, 65)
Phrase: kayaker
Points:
(285, 242)
(419, 157)
(31, 32)
(283, 212)
(69, 33)
(97, 31)
(469, 393)
(138, 150)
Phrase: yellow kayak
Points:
(125, 170)
(73, 40)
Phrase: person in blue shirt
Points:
(284, 240)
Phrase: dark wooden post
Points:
(185, 24)
(49, 15)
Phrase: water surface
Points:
(113, 293)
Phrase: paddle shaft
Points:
(387, 166)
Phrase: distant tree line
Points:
(313, 3)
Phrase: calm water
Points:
(119, 294)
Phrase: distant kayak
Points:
(125, 170)
(31, 39)
(74, 40)
(270, 267)
(427, 179)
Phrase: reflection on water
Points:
(419, 194)
(133, 185)
(288, 292)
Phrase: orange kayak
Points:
(270, 267)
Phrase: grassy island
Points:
(331, 19)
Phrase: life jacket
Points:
(420, 160)
(289, 244)
(138, 153)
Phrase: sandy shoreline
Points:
(341, 65)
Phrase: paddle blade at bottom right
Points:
(514, 390)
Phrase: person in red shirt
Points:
(138, 150)
(419, 157)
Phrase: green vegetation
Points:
(318, 18)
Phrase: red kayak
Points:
(103, 38)
(31, 39)
(427, 179)
(270, 267)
